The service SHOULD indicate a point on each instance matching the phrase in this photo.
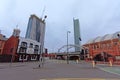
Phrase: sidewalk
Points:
(115, 69)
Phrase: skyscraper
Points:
(77, 37)
(36, 30)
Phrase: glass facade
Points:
(36, 30)
(76, 34)
(29, 28)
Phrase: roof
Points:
(29, 40)
(103, 38)
(3, 37)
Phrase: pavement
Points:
(56, 70)
(115, 69)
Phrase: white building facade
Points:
(28, 49)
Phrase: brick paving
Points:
(52, 69)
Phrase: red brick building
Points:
(18, 48)
(10, 47)
(2, 42)
(103, 48)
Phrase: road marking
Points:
(77, 79)
(43, 79)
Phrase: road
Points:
(54, 69)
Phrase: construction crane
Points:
(43, 12)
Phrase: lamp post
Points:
(67, 47)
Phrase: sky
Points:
(97, 18)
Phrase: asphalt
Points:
(55, 70)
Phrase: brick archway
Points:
(74, 58)
(103, 56)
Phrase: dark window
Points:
(23, 44)
(36, 49)
(24, 56)
(115, 43)
(31, 45)
(11, 50)
(0, 50)
(22, 50)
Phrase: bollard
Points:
(110, 63)
(77, 61)
(93, 63)
(39, 66)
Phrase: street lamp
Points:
(67, 47)
(118, 36)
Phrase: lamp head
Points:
(118, 34)
(69, 32)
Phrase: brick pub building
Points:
(104, 48)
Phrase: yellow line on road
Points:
(75, 79)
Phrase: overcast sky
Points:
(97, 18)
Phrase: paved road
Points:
(53, 69)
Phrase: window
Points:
(11, 50)
(22, 50)
(36, 49)
(115, 43)
(97, 46)
(24, 56)
(23, 44)
(0, 45)
(0, 50)
(33, 56)
(31, 45)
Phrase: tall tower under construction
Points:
(36, 30)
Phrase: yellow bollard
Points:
(110, 63)
(93, 63)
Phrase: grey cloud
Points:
(97, 18)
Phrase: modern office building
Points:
(77, 37)
(36, 30)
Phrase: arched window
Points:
(31, 45)
(36, 49)
(24, 44)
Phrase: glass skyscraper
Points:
(77, 37)
(36, 30)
